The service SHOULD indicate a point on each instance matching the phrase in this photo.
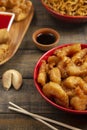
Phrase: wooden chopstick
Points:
(21, 110)
(38, 117)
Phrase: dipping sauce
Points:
(6, 20)
(46, 38)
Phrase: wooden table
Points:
(24, 61)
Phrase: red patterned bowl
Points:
(39, 88)
(67, 18)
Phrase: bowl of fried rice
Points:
(69, 10)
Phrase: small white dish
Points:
(6, 20)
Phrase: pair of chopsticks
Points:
(42, 119)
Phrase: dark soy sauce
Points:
(46, 38)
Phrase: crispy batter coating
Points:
(11, 3)
(2, 9)
(79, 101)
(42, 74)
(4, 50)
(4, 36)
(62, 65)
(65, 77)
(53, 89)
(68, 51)
(52, 61)
(55, 75)
(78, 64)
(72, 82)
(21, 8)
(4, 43)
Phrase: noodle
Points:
(68, 7)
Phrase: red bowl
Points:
(67, 18)
(39, 88)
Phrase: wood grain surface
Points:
(17, 33)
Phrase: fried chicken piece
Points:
(42, 77)
(4, 48)
(54, 91)
(55, 75)
(68, 51)
(52, 61)
(74, 81)
(79, 101)
(3, 9)
(11, 3)
(22, 10)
